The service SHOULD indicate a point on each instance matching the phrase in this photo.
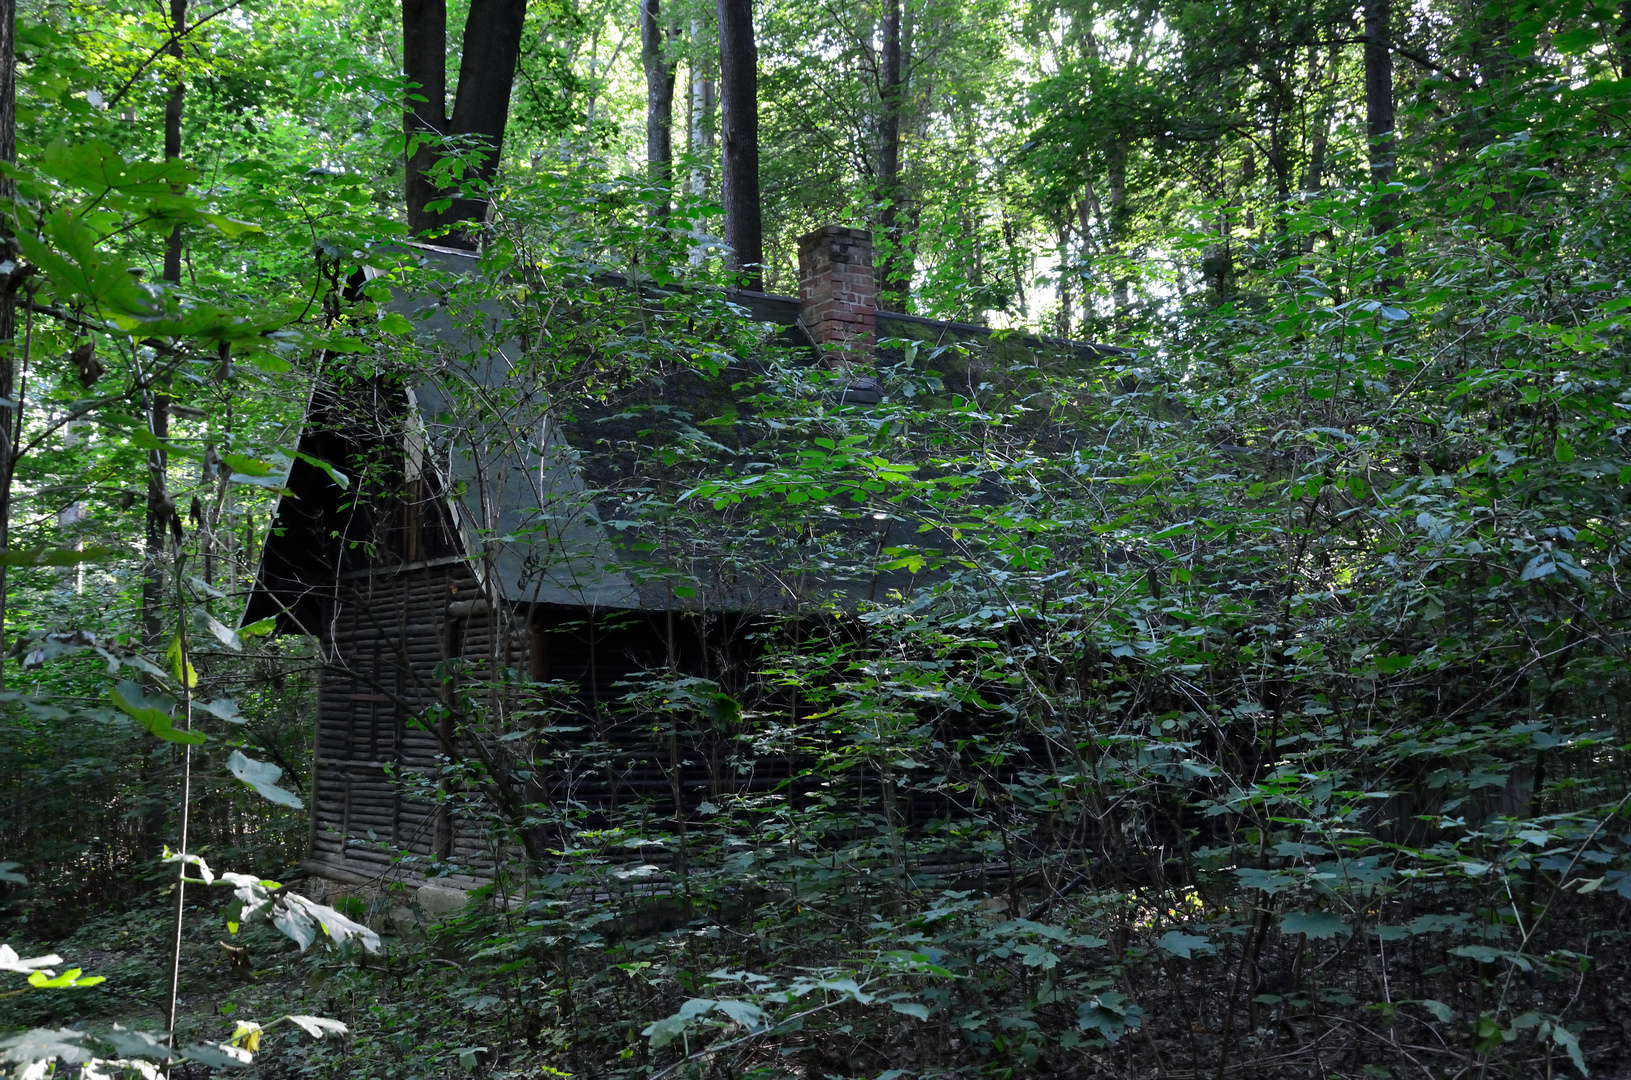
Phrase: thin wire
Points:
(186, 815)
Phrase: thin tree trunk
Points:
(1379, 97)
(172, 130)
(159, 507)
(896, 285)
(704, 96)
(1119, 286)
(8, 294)
(659, 71)
(1320, 139)
(739, 136)
(1066, 276)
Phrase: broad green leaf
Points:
(153, 713)
(73, 977)
(203, 621)
(248, 466)
(1316, 924)
(263, 777)
(1576, 41)
(340, 479)
(1440, 1011)
(258, 628)
(181, 665)
(222, 709)
(230, 227)
(1185, 945)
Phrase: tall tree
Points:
(481, 109)
(9, 283)
(172, 127)
(739, 136)
(704, 96)
(659, 68)
(897, 263)
(160, 507)
(1379, 99)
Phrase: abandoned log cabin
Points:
(511, 555)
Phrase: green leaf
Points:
(222, 709)
(911, 1008)
(1316, 924)
(181, 665)
(79, 272)
(153, 713)
(248, 466)
(340, 479)
(1566, 1039)
(669, 1028)
(263, 777)
(258, 628)
(203, 622)
(1576, 41)
(230, 227)
(1270, 881)
(395, 323)
(1185, 945)
(1563, 452)
(43, 1045)
(1439, 1010)
(70, 978)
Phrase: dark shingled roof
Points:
(553, 509)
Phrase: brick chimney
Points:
(838, 297)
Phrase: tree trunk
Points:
(1119, 286)
(1379, 96)
(703, 99)
(704, 96)
(739, 134)
(8, 293)
(424, 114)
(659, 72)
(1067, 272)
(896, 286)
(172, 131)
(159, 507)
(1320, 140)
(481, 110)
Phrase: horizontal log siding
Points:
(386, 636)
(375, 811)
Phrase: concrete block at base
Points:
(436, 902)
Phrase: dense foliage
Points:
(1264, 713)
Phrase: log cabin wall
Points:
(379, 758)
